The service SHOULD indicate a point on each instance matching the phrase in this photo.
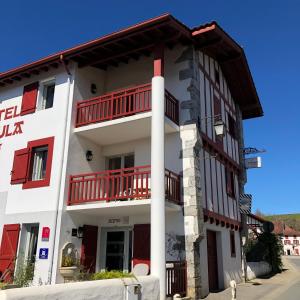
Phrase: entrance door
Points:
(89, 248)
(116, 249)
(212, 260)
(8, 250)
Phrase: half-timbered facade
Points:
(111, 147)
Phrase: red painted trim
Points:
(159, 61)
(211, 147)
(39, 143)
(123, 103)
(215, 216)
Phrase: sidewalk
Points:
(263, 289)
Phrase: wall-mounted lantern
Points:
(89, 155)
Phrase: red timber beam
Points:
(212, 217)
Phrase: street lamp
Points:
(218, 124)
(219, 128)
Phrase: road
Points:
(283, 286)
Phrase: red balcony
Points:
(120, 185)
(122, 103)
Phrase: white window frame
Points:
(103, 244)
(42, 85)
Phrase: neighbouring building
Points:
(116, 146)
(290, 238)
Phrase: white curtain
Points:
(39, 164)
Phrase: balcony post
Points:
(158, 251)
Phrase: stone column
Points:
(191, 146)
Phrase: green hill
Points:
(292, 220)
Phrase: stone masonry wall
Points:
(191, 145)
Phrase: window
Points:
(230, 183)
(39, 159)
(232, 127)
(47, 95)
(232, 244)
(32, 165)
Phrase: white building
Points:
(83, 153)
(290, 238)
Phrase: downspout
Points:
(60, 193)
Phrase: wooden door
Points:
(8, 250)
(89, 248)
(141, 244)
(212, 260)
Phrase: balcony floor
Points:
(122, 130)
(119, 208)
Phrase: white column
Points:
(158, 251)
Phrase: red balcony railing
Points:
(122, 103)
(123, 184)
(176, 278)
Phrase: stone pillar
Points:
(191, 146)
(158, 218)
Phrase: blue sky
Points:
(268, 30)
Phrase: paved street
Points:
(282, 286)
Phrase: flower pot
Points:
(68, 273)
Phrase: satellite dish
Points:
(268, 227)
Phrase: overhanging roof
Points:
(140, 39)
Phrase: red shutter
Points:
(20, 166)
(29, 98)
(141, 244)
(8, 250)
(89, 248)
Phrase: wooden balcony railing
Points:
(122, 103)
(176, 278)
(123, 184)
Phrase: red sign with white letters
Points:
(45, 233)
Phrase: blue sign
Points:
(43, 253)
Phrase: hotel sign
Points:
(9, 129)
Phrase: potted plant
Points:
(69, 264)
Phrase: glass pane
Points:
(39, 164)
(49, 96)
(114, 163)
(115, 250)
(129, 161)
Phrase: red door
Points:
(8, 250)
(141, 244)
(212, 260)
(89, 248)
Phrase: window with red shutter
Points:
(230, 183)
(29, 98)
(232, 244)
(20, 166)
(8, 250)
(32, 166)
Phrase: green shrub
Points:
(110, 275)
(267, 247)
(24, 274)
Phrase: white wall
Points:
(92, 290)
(35, 205)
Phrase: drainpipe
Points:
(158, 248)
(60, 193)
